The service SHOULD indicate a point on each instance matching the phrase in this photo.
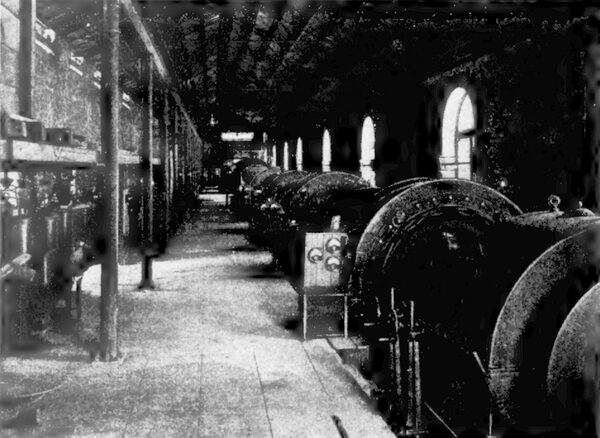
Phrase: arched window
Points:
(367, 151)
(326, 150)
(458, 140)
(274, 156)
(286, 156)
(299, 153)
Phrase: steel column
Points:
(164, 188)
(108, 243)
(147, 175)
(27, 17)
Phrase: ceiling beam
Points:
(282, 36)
(225, 28)
(134, 17)
(235, 34)
(136, 20)
(262, 26)
(309, 33)
(239, 40)
(211, 36)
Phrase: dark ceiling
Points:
(254, 65)
(258, 64)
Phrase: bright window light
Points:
(326, 159)
(457, 138)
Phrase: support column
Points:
(173, 169)
(186, 159)
(108, 243)
(147, 175)
(164, 188)
(183, 157)
(27, 17)
(176, 171)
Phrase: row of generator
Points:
(475, 313)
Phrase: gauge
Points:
(315, 255)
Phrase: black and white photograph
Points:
(300, 218)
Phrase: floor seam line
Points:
(262, 390)
(315, 371)
(200, 394)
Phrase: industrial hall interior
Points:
(300, 218)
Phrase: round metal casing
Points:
(395, 221)
(312, 201)
(526, 330)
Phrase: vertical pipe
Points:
(109, 241)
(147, 174)
(164, 158)
(27, 17)
(186, 158)
(190, 160)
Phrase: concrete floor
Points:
(207, 354)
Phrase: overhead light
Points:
(212, 121)
(237, 136)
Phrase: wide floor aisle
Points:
(207, 354)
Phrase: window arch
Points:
(286, 156)
(326, 152)
(274, 155)
(367, 150)
(458, 140)
(299, 154)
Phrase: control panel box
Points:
(323, 259)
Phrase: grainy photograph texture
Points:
(299, 218)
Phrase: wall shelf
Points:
(33, 153)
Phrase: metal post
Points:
(164, 188)
(414, 375)
(166, 167)
(396, 358)
(176, 171)
(186, 162)
(3, 339)
(147, 175)
(27, 17)
(109, 242)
